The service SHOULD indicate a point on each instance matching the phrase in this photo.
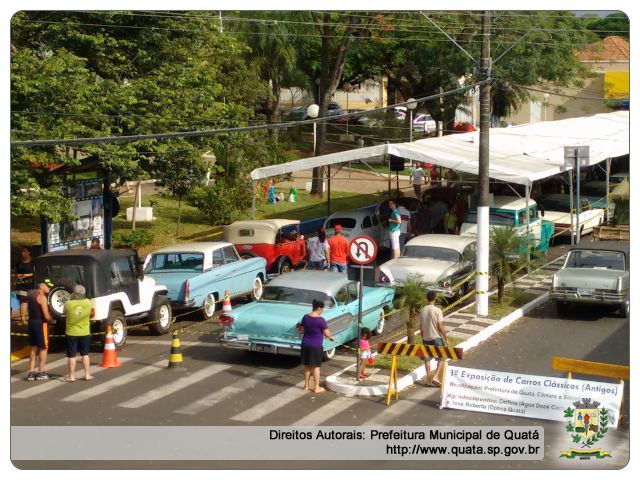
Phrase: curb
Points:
(414, 376)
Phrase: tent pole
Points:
(253, 200)
(328, 190)
(389, 174)
(526, 201)
(571, 205)
(608, 172)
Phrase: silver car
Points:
(594, 273)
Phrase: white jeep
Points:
(120, 294)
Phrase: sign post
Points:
(362, 251)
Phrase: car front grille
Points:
(598, 294)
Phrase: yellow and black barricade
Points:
(412, 350)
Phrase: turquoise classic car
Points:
(269, 325)
(198, 274)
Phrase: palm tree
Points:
(504, 250)
(412, 298)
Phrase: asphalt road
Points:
(226, 387)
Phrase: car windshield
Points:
(427, 251)
(596, 259)
(342, 221)
(163, 262)
(294, 295)
(495, 218)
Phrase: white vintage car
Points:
(557, 208)
(359, 222)
(439, 260)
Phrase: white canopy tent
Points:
(521, 154)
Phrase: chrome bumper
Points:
(602, 297)
(264, 347)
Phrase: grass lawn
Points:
(193, 225)
(512, 301)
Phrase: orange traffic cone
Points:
(226, 305)
(109, 357)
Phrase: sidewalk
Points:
(466, 326)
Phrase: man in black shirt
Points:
(24, 274)
(39, 320)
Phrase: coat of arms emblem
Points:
(587, 425)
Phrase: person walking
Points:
(78, 311)
(319, 251)
(339, 248)
(417, 179)
(24, 275)
(39, 321)
(433, 333)
(395, 221)
(314, 329)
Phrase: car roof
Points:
(201, 247)
(511, 203)
(455, 242)
(316, 280)
(86, 255)
(351, 214)
(269, 224)
(610, 246)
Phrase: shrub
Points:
(135, 239)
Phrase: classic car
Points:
(269, 325)
(411, 204)
(441, 261)
(198, 274)
(595, 273)
(556, 209)
(358, 222)
(278, 241)
(424, 123)
(512, 211)
(120, 293)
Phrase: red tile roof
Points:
(613, 49)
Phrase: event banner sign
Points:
(531, 396)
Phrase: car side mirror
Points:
(140, 268)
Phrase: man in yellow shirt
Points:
(78, 311)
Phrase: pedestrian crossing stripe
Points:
(422, 351)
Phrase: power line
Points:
(205, 133)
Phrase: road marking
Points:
(168, 343)
(45, 386)
(326, 412)
(283, 398)
(50, 366)
(399, 408)
(116, 382)
(224, 393)
(169, 388)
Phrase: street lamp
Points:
(411, 105)
(312, 112)
(347, 87)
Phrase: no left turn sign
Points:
(363, 250)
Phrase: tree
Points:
(613, 24)
(504, 250)
(412, 298)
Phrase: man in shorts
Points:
(395, 222)
(78, 311)
(433, 333)
(38, 327)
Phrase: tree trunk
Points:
(273, 107)
(410, 329)
(135, 205)
(500, 289)
(178, 224)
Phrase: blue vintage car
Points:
(269, 325)
(197, 274)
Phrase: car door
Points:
(234, 279)
(124, 280)
(343, 323)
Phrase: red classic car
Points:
(277, 240)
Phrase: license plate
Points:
(585, 291)
(243, 338)
(258, 347)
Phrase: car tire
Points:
(380, 327)
(210, 306)
(56, 299)
(329, 354)
(624, 309)
(257, 289)
(284, 265)
(118, 325)
(160, 315)
(562, 308)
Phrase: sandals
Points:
(363, 376)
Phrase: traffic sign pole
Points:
(358, 359)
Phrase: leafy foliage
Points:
(410, 299)
(504, 248)
(136, 239)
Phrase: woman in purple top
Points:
(313, 328)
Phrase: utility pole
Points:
(482, 259)
(220, 18)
